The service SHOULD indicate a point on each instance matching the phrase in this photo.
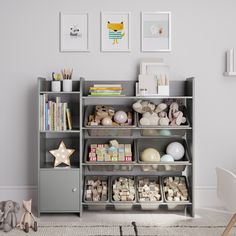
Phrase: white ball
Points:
(167, 158)
(120, 117)
(106, 121)
(176, 150)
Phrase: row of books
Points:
(106, 90)
(54, 115)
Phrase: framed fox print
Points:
(115, 31)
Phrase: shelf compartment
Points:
(122, 205)
(128, 86)
(45, 86)
(160, 145)
(99, 205)
(50, 141)
(185, 125)
(125, 130)
(73, 103)
(109, 166)
(172, 205)
(177, 88)
(148, 205)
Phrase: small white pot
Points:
(56, 86)
(67, 85)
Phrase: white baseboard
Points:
(19, 193)
(205, 196)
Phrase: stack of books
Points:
(54, 115)
(106, 90)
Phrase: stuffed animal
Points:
(163, 114)
(144, 106)
(8, 210)
(28, 220)
(176, 117)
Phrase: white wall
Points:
(29, 47)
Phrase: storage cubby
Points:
(45, 86)
(51, 141)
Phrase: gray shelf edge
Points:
(136, 203)
(136, 164)
(138, 97)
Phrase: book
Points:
(105, 91)
(107, 85)
(105, 94)
(69, 121)
(105, 88)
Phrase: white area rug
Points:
(206, 223)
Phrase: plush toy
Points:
(144, 106)
(8, 210)
(28, 220)
(163, 114)
(175, 116)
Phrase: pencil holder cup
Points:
(56, 86)
(67, 85)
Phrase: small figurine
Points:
(28, 220)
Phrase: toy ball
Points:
(120, 117)
(165, 132)
(167, 158)
(106, 121)
(176, 150)
(150, 154)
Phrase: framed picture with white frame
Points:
(115, 31)
(74, 35)
(156, 31)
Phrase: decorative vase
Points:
(67, 85)
(56, 86)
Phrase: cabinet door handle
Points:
(74, 189)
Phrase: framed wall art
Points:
(115, 31)
(74, 36)
(156, 31)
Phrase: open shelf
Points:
(45, 87)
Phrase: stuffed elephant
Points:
(8, 210)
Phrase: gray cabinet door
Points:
(59, 190)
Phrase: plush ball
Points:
(120, 117)
(150, 154)
(167, 158)
(176, 150)
(106, 121)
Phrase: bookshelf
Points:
(66, 184)
(59, 188)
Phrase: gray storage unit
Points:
(59, 188)
(54, 183)
(182, 90)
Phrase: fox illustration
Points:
(115, 31)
